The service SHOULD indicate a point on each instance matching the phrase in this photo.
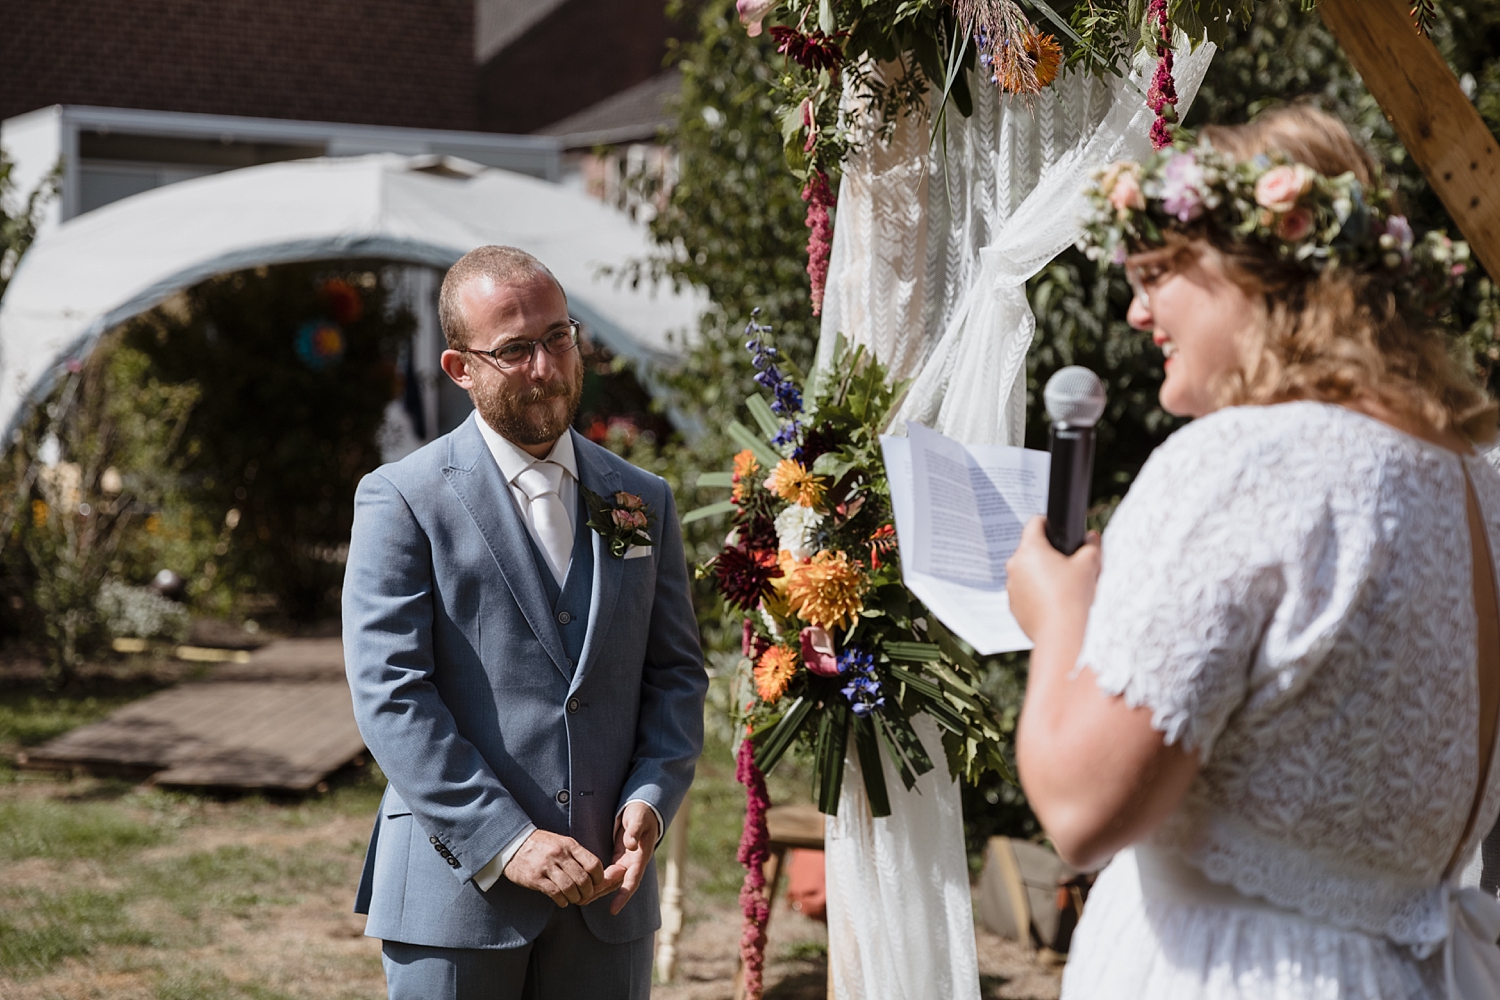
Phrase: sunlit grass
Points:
(46, 828)
(39, 929)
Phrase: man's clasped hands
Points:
(568, 872)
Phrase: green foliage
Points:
(19, 216)
(733, 226)
(276, 444)
(89, 463)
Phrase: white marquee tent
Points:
(104, 267)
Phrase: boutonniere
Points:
(621, 520)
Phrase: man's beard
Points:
(516, 416)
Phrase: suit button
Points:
(452, 863)
(573, 704)
(432, 840)
(562, 797)
(563, 618)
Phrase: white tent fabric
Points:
(101, 268)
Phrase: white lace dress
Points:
(1289, 589)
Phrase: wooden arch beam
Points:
(1436, 123)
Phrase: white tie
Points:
(548, 516)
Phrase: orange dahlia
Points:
(777, 667)
(1033, 72)
(745, 468)
(828, 591)
(793, 483)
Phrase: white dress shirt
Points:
(514, 460)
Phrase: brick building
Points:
(490, 65)
(377, 62)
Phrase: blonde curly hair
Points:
(1341, 336)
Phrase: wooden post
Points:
(1432, 117)
(671, 896)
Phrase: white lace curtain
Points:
(932, 248)
(934, 241)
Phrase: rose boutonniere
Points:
(621, 520)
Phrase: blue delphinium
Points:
(863, 690)
(786, 399)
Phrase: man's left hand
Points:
(636, 834)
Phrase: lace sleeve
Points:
(1189, 582)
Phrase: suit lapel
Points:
(475, 478)
(595, 475)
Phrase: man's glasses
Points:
(518, 353)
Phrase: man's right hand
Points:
(560, 867)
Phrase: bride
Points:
(1270, 695)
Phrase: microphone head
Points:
(1074, 397)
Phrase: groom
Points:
(535, 700)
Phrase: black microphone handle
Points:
(1068, 486)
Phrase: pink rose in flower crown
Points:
(752, 12)
(1280, 188)
(1126, 195)
(1182, 184)
(1295, 225)
(817, 652)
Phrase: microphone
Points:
(1075, 400)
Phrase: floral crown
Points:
(1303, 217)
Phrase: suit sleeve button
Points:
(573, 704)
(563, 617)
(432, 840)
(562, 797)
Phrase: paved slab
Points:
(282, 721)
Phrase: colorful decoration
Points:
(755, 902)
(1305, 218)
(622, 520)
(916, 57)
(345, 304)
(1162, 97)
(835, 646)
(320, 344)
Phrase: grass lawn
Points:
(113, 889)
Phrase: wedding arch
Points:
(961, 145)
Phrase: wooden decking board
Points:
(284, 720)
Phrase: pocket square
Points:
(637, 551)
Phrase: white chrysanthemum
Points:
(795, 528)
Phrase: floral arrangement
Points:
(836, 650)
(622, 520)
(1305, 218)
(900, 57)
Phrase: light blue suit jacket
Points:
(462, 690)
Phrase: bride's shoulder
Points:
(1255, 456)
(1287, 434)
